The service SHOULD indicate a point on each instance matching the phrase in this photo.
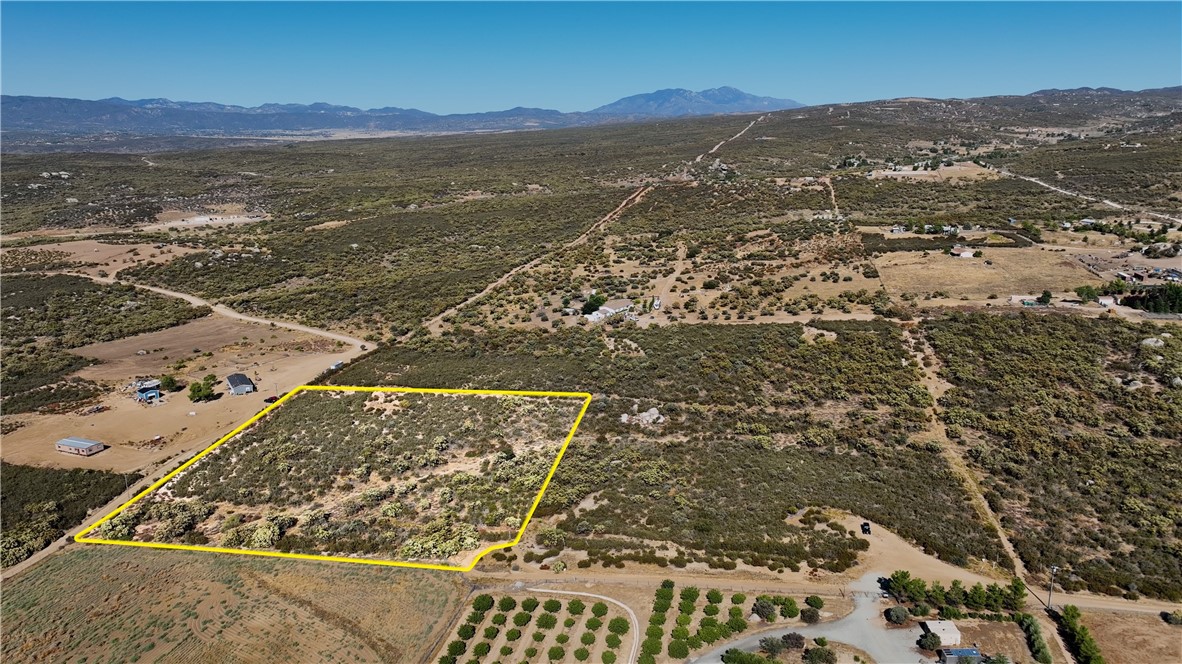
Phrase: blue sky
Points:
(463, 57)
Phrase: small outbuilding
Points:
(945, 629)
(79, 446)
(240, 384)
(148, 390)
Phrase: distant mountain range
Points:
(678, 102)
(65, 116)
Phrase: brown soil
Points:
(92, 257)
(111, 603)
(1020, 271)
(1133, 638)
(271, 356)
(994, 638)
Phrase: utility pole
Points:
(1051, 589)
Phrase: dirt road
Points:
(714, 149)
(156, 472)
(223, 310)
(631, 614)
(159, 469)
(1105, 201)
(436, 324)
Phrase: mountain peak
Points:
(674, 102)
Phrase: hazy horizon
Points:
(472, 57)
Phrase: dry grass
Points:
(114, 604)
(1132, 638)
(994, 638)
(1025, 270)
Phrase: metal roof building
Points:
(79, 446)
(239, 384)
(959, 656)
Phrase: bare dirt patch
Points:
(965, 170)
(275, 358)
(997, 272)
(1132, 638)
(994, 638)
(221, 215)
(93, 257)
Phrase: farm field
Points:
(540, 627)
(400, 475)
(111, 604)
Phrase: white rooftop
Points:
(79, 443)
(945, 629)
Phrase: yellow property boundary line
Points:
(82, 536)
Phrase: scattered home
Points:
(609, 309)
(147, 391)
(240, 384)
(959, 655)
(945, 629)
(1124, 276)
(79, 446)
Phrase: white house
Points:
(609, 309)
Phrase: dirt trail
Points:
(223, 310)
(163, 467)
(631, 614)
(1105, 201)
(151, 475)
(714, 149)
(436, 324)
(832, 196)
(937, 386)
